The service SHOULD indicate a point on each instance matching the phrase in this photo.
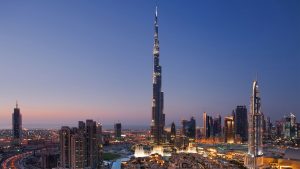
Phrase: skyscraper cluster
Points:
(235, 128)
(287, 128)
(81, 146)
(212, 127)
(158, 117)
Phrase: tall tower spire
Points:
(255, 148)
(158, 117)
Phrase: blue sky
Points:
(66, 61)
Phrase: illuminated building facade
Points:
(65, 147)
(158, 117)
(77, 151)
(206, 125)
(81, 147)
(255, 150)
(229, 129)
(290, 128)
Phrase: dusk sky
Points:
(66, 61)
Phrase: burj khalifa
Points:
(158, 117)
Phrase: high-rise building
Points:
(81, 126)
(241, 122)
(290, 127)
(118, 130)
(229, 129)
(189, 128)
(269, 128)
(17, 126)
(294, 129)
(77, 151)
(255, 150)
(173, 129)
(279, 129)
(93, 143)
(206, 125)
(217, 126)
(172, 134)
(158, 117)
(81, 147)
(287, 127)
(65, 147)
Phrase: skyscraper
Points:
(81, 147)
(229, 129)
(77, 150)
(255, 149)
(173, 129)
(118, 130)
(217, 126)
(290, 126)
(294, 133)
(93, 144)
(241, 122)
(207, 125)
(65, 147)
(158, 117)
(17, 126)
(189, 128)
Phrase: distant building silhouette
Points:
(241, 123)
(173, 133)
(208, 126)
(217, 126)
(189, 128)
(17, 126)
(118, 130)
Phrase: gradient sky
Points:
(66, 61)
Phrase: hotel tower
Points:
(254, 158)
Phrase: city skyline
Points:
(51, 77)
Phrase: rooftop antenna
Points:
(256, 78)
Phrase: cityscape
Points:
(251, 134)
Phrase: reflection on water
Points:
(117, 164)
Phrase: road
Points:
(14, 161)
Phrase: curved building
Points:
(255, 149)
